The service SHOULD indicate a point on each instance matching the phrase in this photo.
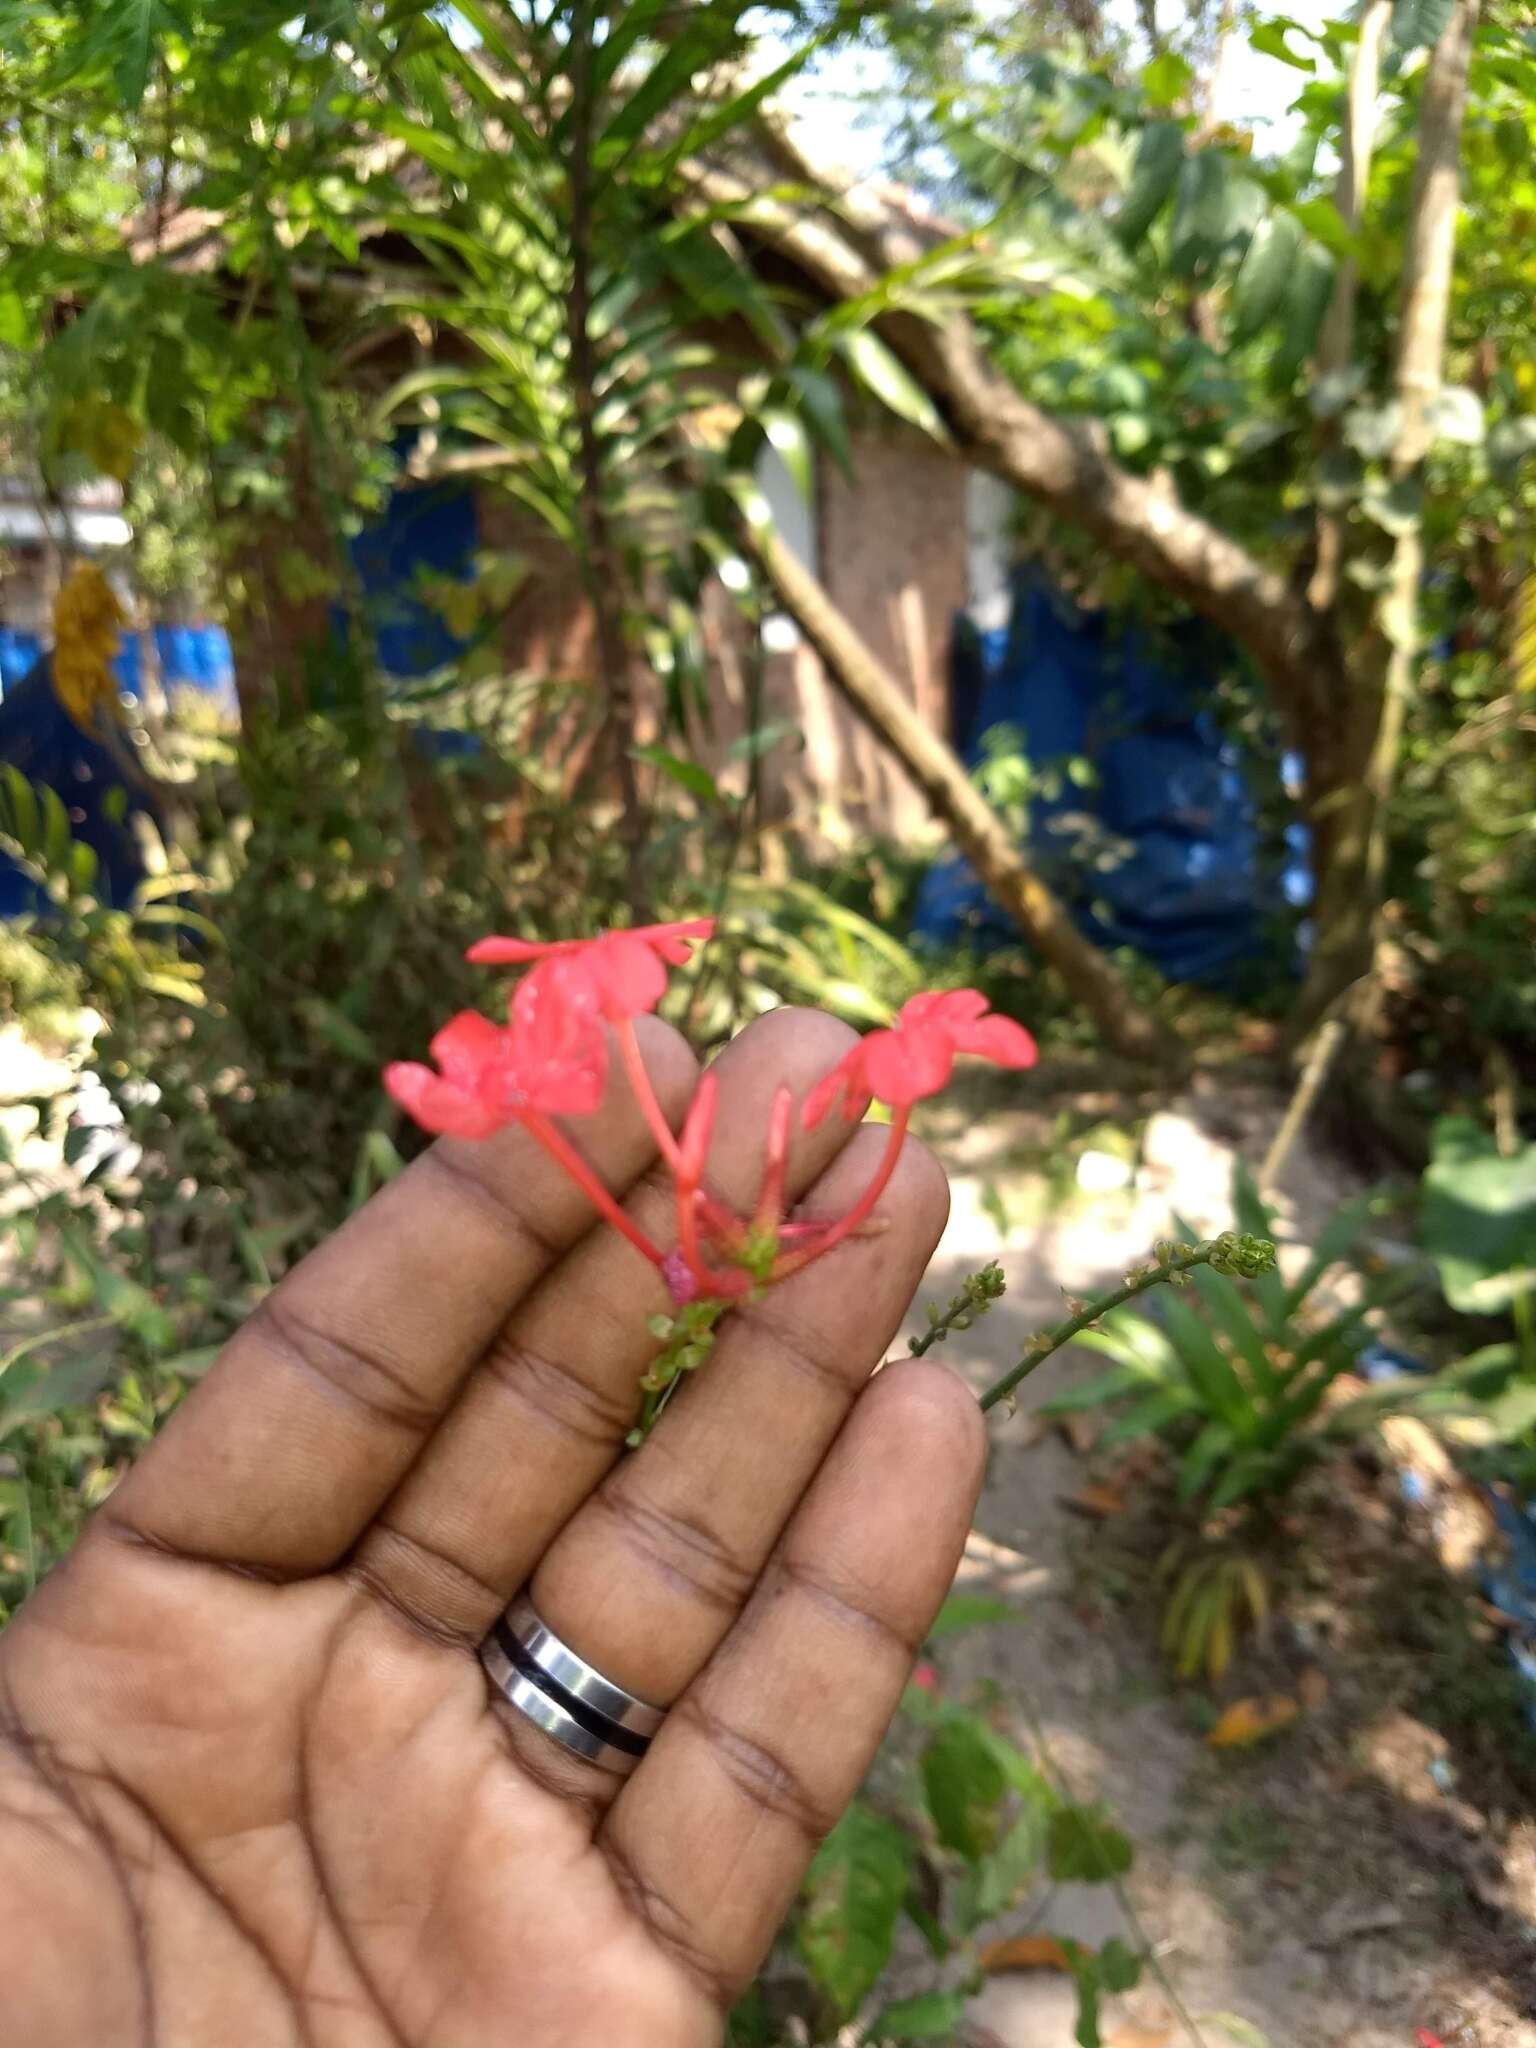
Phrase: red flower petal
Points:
(904, 1065)
(466, 1046)
(1000, 1040)
(497, 952)
(440, 1106)
(625, 969)
(558, 1055)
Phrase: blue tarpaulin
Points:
(38, 736)
(1157, 847)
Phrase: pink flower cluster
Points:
(579, 1001)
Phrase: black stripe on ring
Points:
(583, 1715)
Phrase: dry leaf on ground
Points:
(1025, 1952)
(1251, 1720)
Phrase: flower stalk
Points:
(1244, 1256)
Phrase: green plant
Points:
(1479, 1226)
(958, 1829)
(1239, 1385)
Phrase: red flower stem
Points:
(770, 1202)
(859, 1213)
(724, 1286)
(718, 1218)
(644, 1093)
(565, 1156)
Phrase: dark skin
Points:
(253, 1786)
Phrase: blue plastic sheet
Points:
(38, 736)
(1161, 849)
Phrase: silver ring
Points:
(561, 1693)
(574, 1675)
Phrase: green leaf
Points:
(1001, 1878)
(1209, 1370)
(1259, 290)
(1322, 221)
(1159, 155)
(1201, 213)
(888, 378)
(1119, 1965)
(1417, 24)
(926, 2017)
(1166, 80)
(1227, 1306)
(1110, 1386)
(970, 1610)
(1084, 1847)
(689, 775)
(1200, 1461)
(1270, 39)
(1147, 1418)
(1306, 303)
(821, 403)
(964, 1784)
(852, 1897)
(1479, 1218)
(1335, 1241)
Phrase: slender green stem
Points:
(1523, 1309)
(1181, 1259)
(55, 1335)
(1056, 1777)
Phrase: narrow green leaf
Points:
(970, 1610)
(688, 775)
(1227, 1308)
(1210, 1372)
(888, 378)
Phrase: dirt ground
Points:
(1363, 1879)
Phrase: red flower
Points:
(467, 1099)
(626, 970)
(915, 1056)
(926, 1678)
(550, 1060)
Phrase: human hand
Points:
(255, 1788)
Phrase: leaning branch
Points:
(846, 242)
(977, 829)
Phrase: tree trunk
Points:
(601, 566)
(1349, 896)
(977, 829)
(1336, 343)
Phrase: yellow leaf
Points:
(1247, 1721)
(1523, 643)
(1025, 1952)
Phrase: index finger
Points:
(317, 1407)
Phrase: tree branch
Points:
(847, 241)
(977, 829)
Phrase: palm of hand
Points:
(253, 1787)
